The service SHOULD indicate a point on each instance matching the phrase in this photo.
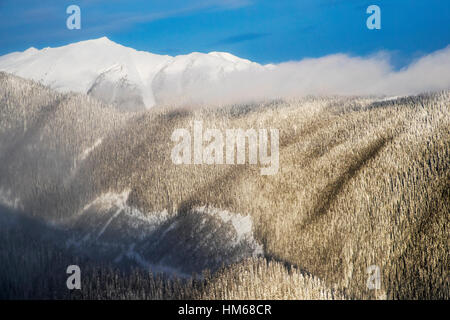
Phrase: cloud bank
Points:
(337, 74)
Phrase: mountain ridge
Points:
(124, 77)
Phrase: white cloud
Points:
(336, 74)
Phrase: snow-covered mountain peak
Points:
(228, 56)
(103, 39)
(93, 42)
(31, 50)
(122, 76)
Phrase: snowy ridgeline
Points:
(118, 75)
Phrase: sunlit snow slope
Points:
(120, 75)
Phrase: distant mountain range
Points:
(119, 75)
(134, 80)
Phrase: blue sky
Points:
(263, 31)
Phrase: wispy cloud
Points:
(242, 38)
(185, 8)
(97, 18)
